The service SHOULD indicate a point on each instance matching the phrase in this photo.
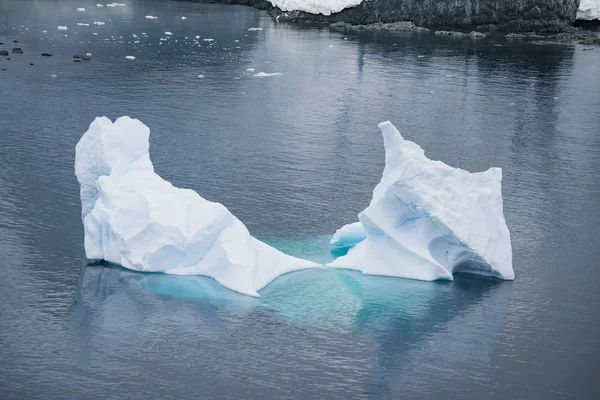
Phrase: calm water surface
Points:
(294, 157)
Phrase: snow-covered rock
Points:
(428, 220)
(589, 10)
(134, 218)
(325, 7)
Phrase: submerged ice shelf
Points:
(134, 218)
(428, 220)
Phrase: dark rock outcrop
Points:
(3, 53)
(465, 15)
(17, 50)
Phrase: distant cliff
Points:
(481, 15)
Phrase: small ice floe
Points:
(169, 33)
(99, 23)
(62, 28)
(197, 37)
(88, 54)
(236, 40)
(162, 39)
(555, 98)
(144, 33)
(208, 40)
(52, 76)
(44, 31)
(134, 35)
(265, 74)
(420, 56)
(130, 57)
(95, 33)
(151, 17)
(200, 76)
(115, 5)
(82, 24)
(81, 9)
(254, 29)
(136, 42)
(250, 69)
(184, 18)
(99, 5)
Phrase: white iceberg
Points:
(134, 218)
(325, 7)
(62, 28)
(349, 235)
(589, 10)
(428, 220)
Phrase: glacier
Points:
(325, 7)
(134, 218)
(428, 220)
(589, 10)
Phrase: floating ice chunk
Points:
(236, 40)
(99, 5)
(115, 5)
(208, 40)
(254, 29)
(134, 35)
(265, 74)
(53, 76)
(151, 17)
(428, 220)
(81, 9)
(82, 24)
(348, 235)
(197, 37)
(168, 33)
(62, 28)
(88, 54)
(325, 7)
(130, 57)
(95, 33)
(250, 69)
(184, 18)
(200, 76)
(134, 218)
(99, 23)
(44, 31)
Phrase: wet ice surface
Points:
(294, 157)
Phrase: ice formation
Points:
(427, 220)
(325, 7)
(62, 28)
(151, 17)
(134, 218)
(589, 10)
(267, 74)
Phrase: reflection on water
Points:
(396, 325)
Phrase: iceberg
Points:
(428, 220)
(134, 218)
(325, 7)
(589, 10)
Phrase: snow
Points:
(134, 218)
(130, 57)
(427, 220)
(265, 74)
(150, 17)
(325, 7)
(589, 10)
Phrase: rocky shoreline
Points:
(550, 22)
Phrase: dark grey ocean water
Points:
(294, 157)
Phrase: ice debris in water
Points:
(82, 24)
(250, 69)
(98, 23)
(130, 57)
(168, 33)
(197, 37)
(428, 220)
(208, 40)
(62, 28)
(254, 29)
(151, 17)
(99, 5)
(115, 5)
(265, 74)
(200, 76)
(184, 18)
(134, 218)
(81, 9)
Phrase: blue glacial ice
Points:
(428, 220)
